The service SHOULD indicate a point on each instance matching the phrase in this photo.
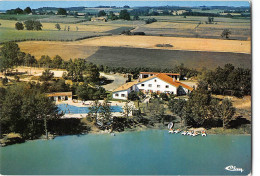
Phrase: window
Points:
(150, 85)
(155, 80)
(158, 86)
(122, 95)
(117, 95)
(142, 85)
(167, 86)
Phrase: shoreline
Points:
(137, 129)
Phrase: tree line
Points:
(29, 25)
(26, 110)
(228, 80)
(202, 110)
(18, 10)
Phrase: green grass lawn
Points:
(8, 34)
(22, 17)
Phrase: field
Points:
(85, 48)
(49, 32)
(197, 27)
(154, 58)
(136, 57)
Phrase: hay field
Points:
(39, 48)
(140, 51)
(192, 26)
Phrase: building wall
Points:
(154, 82)
(122, 95)
(62, 98)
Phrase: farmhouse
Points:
(151, 82)
(60, 96)
(104, 19)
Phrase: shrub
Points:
(19, 26)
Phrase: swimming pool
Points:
(70, 109)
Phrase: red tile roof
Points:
(162, 76)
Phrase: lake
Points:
(70, 109)
(150, 152)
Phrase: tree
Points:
(101, 13)
(33, 25)
(57, 26)
(29, 60)
(83, 92)
(45, 60)
(94, 109)
(9, 52)
(127, 109)
(124, 15)
(27, 10)
(47, 110)
(210, 20)
(136, 17)
(226, 112)
(61, 11)
(92, 73)
(106, 112)
(47, 75)
(18, 11)
(157, 110)
(133, 96)
(19, 26)
(57, 61)
(226, 33)
(112, 16)
(24, 109)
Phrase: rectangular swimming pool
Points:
(70, 109)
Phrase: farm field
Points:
(49, 32)
(154, 58)
(140, 57)
(197, 27)
(149, 42)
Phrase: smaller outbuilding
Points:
(60, 96)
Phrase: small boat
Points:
(203, 133)
(184, 133)
(171, 131)
(177, 131)
(113, 134)
(170, 125)
(194, 134)
(189, 133)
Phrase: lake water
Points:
(151, 152)
(82, 110)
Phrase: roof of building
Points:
(158, 73)
(54, 94)
(130, 84)
(162, 76)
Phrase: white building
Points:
(154, 83)
(60, 96)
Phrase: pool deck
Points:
(88, 104)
